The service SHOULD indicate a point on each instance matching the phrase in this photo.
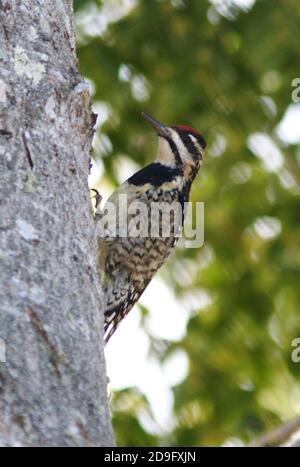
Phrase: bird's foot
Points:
(98, 199)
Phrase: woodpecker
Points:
(128, 258)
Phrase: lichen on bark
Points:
(53, 382)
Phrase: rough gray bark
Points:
(53, 384)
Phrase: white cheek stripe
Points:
(183, 152)
(196, 142)
(165, 153)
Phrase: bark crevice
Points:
(53, 382)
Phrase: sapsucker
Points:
(135, 240)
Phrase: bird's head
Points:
(179, 146)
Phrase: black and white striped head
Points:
(180, 146)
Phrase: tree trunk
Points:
(52, 369)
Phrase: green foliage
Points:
(228, 76)
(125, 422)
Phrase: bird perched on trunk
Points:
(136, 237)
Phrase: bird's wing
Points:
(128, 262)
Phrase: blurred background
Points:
(204, 359)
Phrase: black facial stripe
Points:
(201, 141)
(175, 151)
(189, 143)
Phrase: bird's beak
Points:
(160, 128)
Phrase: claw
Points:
(97, 196)
(98, 199)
